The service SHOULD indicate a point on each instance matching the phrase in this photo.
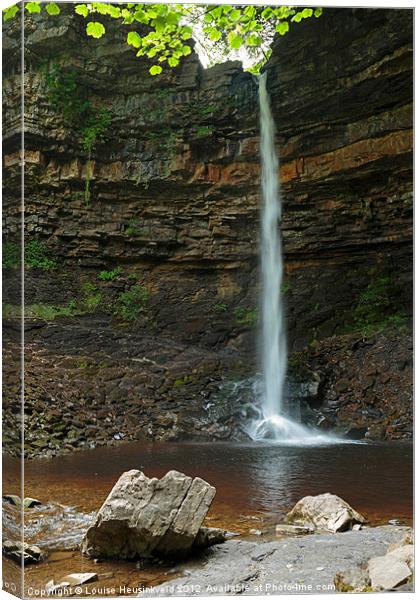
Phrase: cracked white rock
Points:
(325, 512)
(148, 516)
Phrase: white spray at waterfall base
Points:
(274, 423)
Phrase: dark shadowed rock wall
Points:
(174, 202)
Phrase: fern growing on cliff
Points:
(377, 306)
(70, 98)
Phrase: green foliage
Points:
(233, 27)
(198, 109)
(66, 94)
(91, 302)
(33, 7)
(52, 9)
(220, 307)
(70, 97)
(11, 255)
(77, 196)
(91, 298)
(183, 380)
(47, 312)
(133, 228)
(91, 122)
(81, 9)
(10, 12)
(131, 304)
(166, 30)
(286, 287)
(95, 29)
(206, 109)
(204, 131)
(110, 275)
(97, 122)
(93, 131)
(157, 135)
(36, 256)
(245, 316)
(155, 70)
(82, 364)
(11, 311)
(377, 306)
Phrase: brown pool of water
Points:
(256, 485)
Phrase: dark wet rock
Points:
(16, 501)
(16, 550)
(209, 536)
(325, 512)
(12, 499)
(375, 432)
(31, 503)
(149, 517)
(356, 433)
(381, 410)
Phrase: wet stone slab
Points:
(296, 565)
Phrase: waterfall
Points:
(274, 348)
(273, 423)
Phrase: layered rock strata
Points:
(173, 202)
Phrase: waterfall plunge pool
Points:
(256, 484)
(257, 479)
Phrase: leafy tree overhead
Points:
(165, 31)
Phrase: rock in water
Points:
(209, 536)
(16, 550)
(12, 499)
(325, 512)
(146, 517)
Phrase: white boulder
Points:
(148, 516)
(325, 512)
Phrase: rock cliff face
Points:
(173, 206)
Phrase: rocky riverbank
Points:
(77, 372)
(365, 384)
(297, 565)
(151, 537)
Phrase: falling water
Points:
(273, 423)
(274, 353)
